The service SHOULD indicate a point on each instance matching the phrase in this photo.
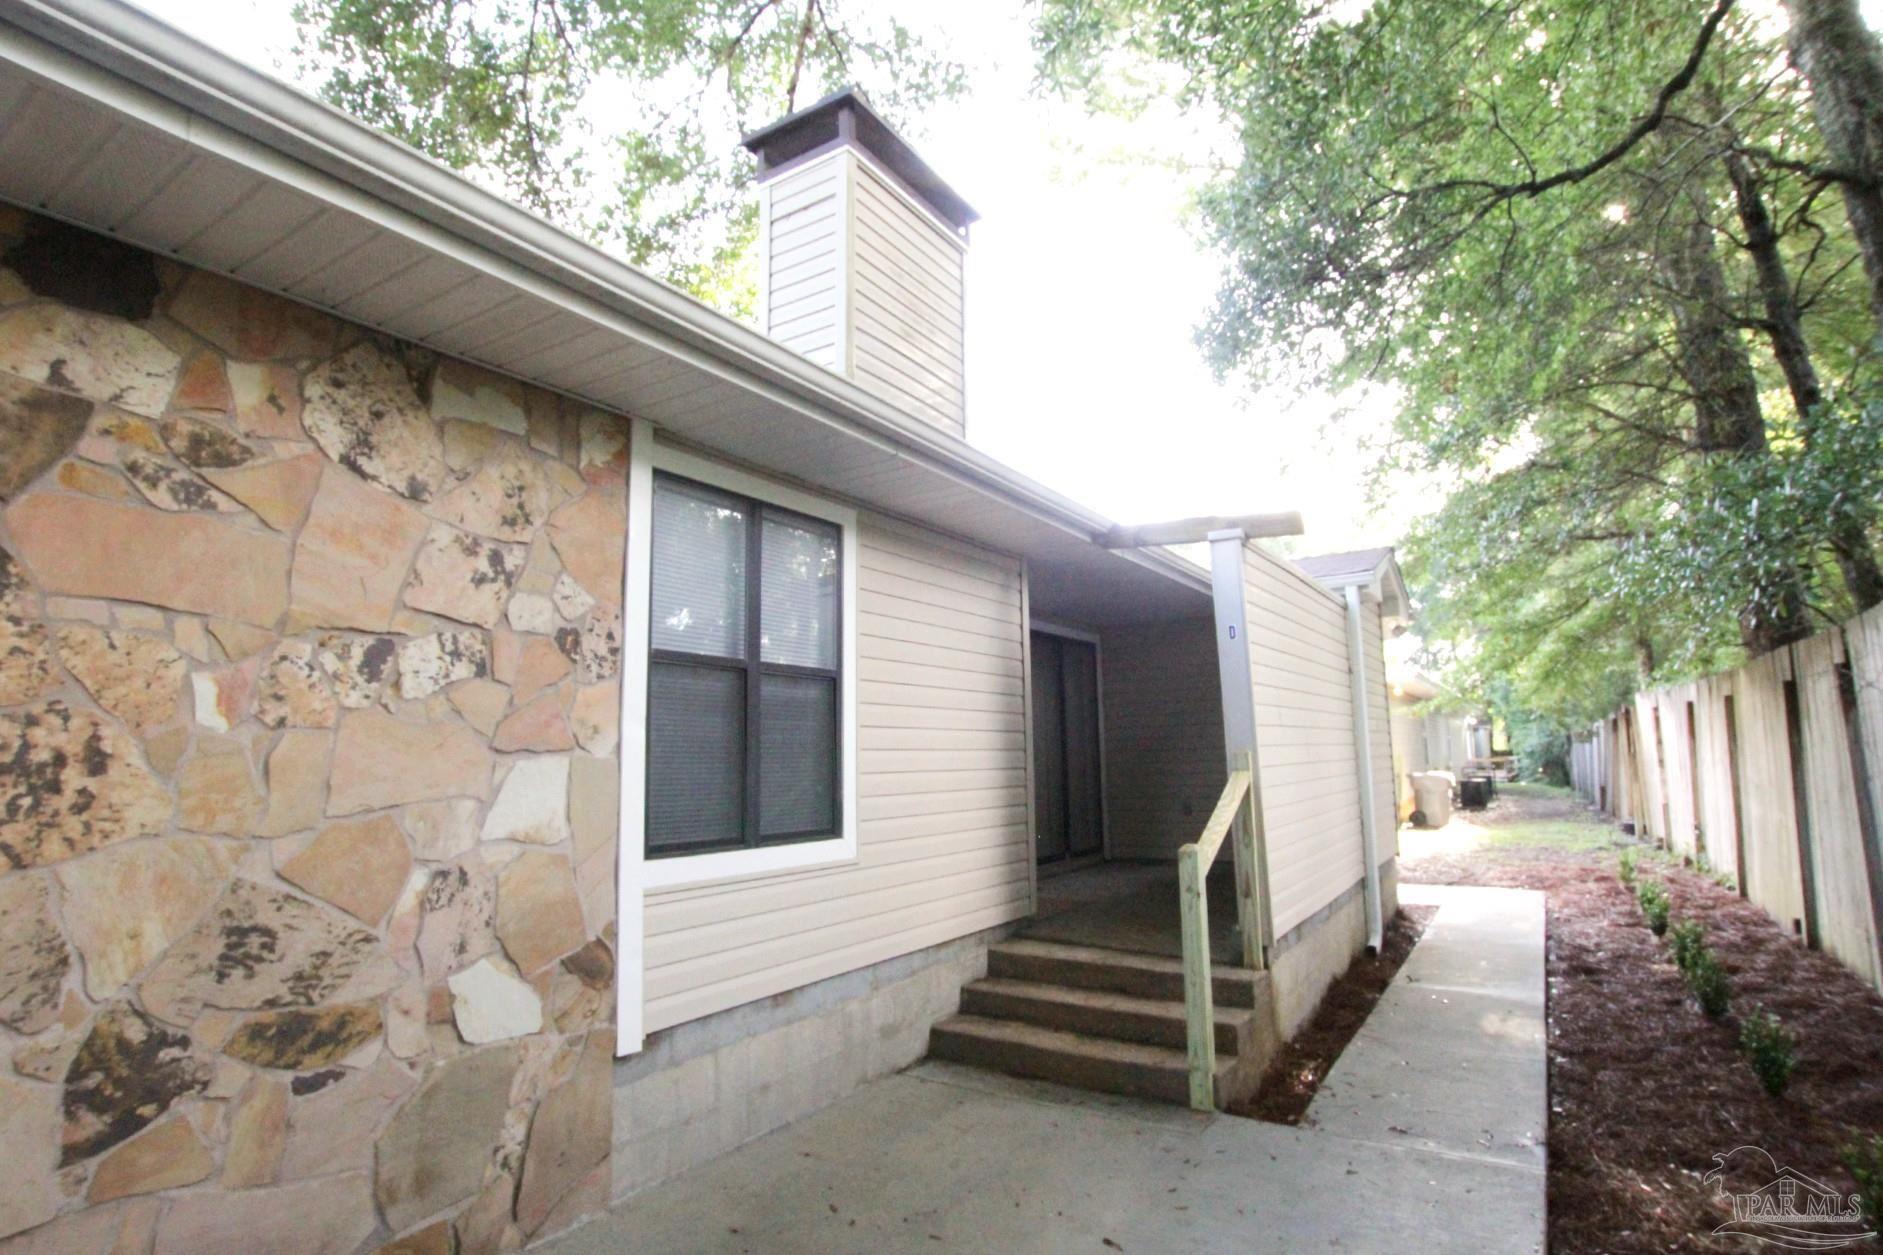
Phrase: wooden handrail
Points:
(1193, 864)
(1222, 818)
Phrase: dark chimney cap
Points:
(845, 116)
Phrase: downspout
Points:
(1363, 763)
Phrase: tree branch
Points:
(1646, 126)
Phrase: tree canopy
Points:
(1606, 255)
(616, 119)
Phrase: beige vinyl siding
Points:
(905, 290)
(1380, 732)
(1305, 737)
(942, 846)
(1164, 766)
(804, 262)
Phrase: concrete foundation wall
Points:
(706, 1086)
(1315, 953)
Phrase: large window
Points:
(744, 673)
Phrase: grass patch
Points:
(1552, 834)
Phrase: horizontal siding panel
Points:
(932, 697)
(919, 931)
(912, 593)
(919, 352)
(665, 980)
(882, 762)
(931, 322)
(881, 247)
(943, 780)
(914, 233)
(927, 675)
(888, 650)
(951, 718)
(898, 627)
(904, 804)
(904, 284)
(885, 738)
(916, 404)
(679, 930)
(896, 362)
(1001, 590)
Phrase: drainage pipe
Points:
(1363, 765)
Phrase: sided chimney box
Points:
(863, 248)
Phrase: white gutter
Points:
(1363, 764)
(132, 45)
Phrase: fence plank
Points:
(1840, 883)
(1863, 638)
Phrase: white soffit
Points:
(115, 122)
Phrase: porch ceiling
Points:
(115, 122)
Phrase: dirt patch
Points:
(1297, 1072)
(1644, 1089)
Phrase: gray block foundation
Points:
(699, 1089)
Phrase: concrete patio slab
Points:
(949, 1158)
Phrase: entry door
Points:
(1065, 748)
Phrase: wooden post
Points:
(1248, 871)
(1199, 1003)
(1236, 677)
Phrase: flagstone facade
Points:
(309, 654)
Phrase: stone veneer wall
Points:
(308, 718)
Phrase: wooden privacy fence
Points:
(1772, 772)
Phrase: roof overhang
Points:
(1383, 583)
(113, 121)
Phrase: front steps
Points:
(1105, 1020)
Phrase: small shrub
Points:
(1864, 1158)
(1627, 872)
(1703, 864)
(1652, 895)
(1687, 940)
(1706, 977)
(1771, 1048)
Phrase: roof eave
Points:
(113, 39)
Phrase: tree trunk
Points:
(1784, 326)
(1727, 415)
(1835, 51)
(1728, 419)
(1783, 323)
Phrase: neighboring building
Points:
(482, 733)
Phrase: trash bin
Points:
(1431, 798)
(1474, 793)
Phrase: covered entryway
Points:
(1068, 781)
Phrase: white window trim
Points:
(638, 874)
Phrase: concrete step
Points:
(1117, 971)
(1158, 1073)
(1101, 1013)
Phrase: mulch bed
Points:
(1644, 1089)
(1297, 1072)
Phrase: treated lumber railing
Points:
(1193, 864)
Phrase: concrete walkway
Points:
(1427, 1135)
